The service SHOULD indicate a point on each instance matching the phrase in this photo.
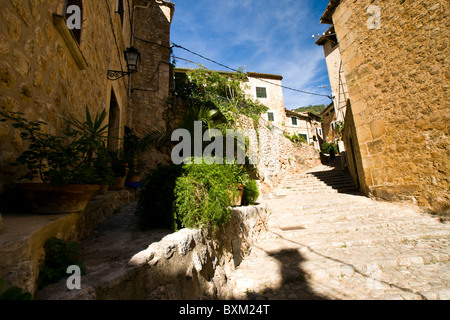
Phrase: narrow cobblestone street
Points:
(325, 244)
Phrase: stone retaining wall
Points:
(23, 236)
(189, 264)
(275, 155)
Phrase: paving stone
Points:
(346, 246)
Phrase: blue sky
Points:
(268, 36)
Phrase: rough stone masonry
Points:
(396, 61)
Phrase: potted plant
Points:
(134, 147)
(102, 163)
(131, 147)
(241, 177)
(62, 170)
(119, 167)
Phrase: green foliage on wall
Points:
(12, 293)
(59, 255)
(192, 195)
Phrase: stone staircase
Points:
(323, 179)
(326, 241)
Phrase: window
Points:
(79, 3)
(319, 131)
(333, 125)
(270, 116)
(120, 10)
(294, 121)
(261, 92)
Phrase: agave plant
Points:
(69, 158)
(90, 135)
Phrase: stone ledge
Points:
(188, 264)
(23, 236)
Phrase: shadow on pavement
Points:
(294, 283)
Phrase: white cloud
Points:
(265, 35)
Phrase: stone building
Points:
(395, 58)
(53, 65)
(305, 124)
(48, 71)
(267, 89)
(328, 123)
(335, 72)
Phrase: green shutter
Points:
(261, 92)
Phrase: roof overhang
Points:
(327, 17)
(330, 106)
(256, 75)
(300, 115)
(264, 76)
(325, 36)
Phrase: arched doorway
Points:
(114, 123)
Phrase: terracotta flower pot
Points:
(134, 178)
(119, 184)
(238, 200)
(51, 199)
(103, 189)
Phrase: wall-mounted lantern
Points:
(132, 57)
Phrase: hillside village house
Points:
(49, 71)
(339, 90)
(329, 123)
(267, 89)
(307, 125)
(395, 57)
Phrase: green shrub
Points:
(12, 293)
(326, 147)
(251, 193)
(155, 206)
(192, 195)
(204, 195)
(296, 138)
(59, 254)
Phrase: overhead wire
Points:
(259, 78)
(174, 45)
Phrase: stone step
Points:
(314, 184)
(316, 187)
(315, 179)
(340, 227)
(388, 237)
(302, 210)
(330, 269)
(339, 264)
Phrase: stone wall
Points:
(275, 155)
(150, 86)
(274, 100)
(23, 236)
(398, 79)
(328, 116)
(190, 264)
(47, 77)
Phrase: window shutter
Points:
(261, 92)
